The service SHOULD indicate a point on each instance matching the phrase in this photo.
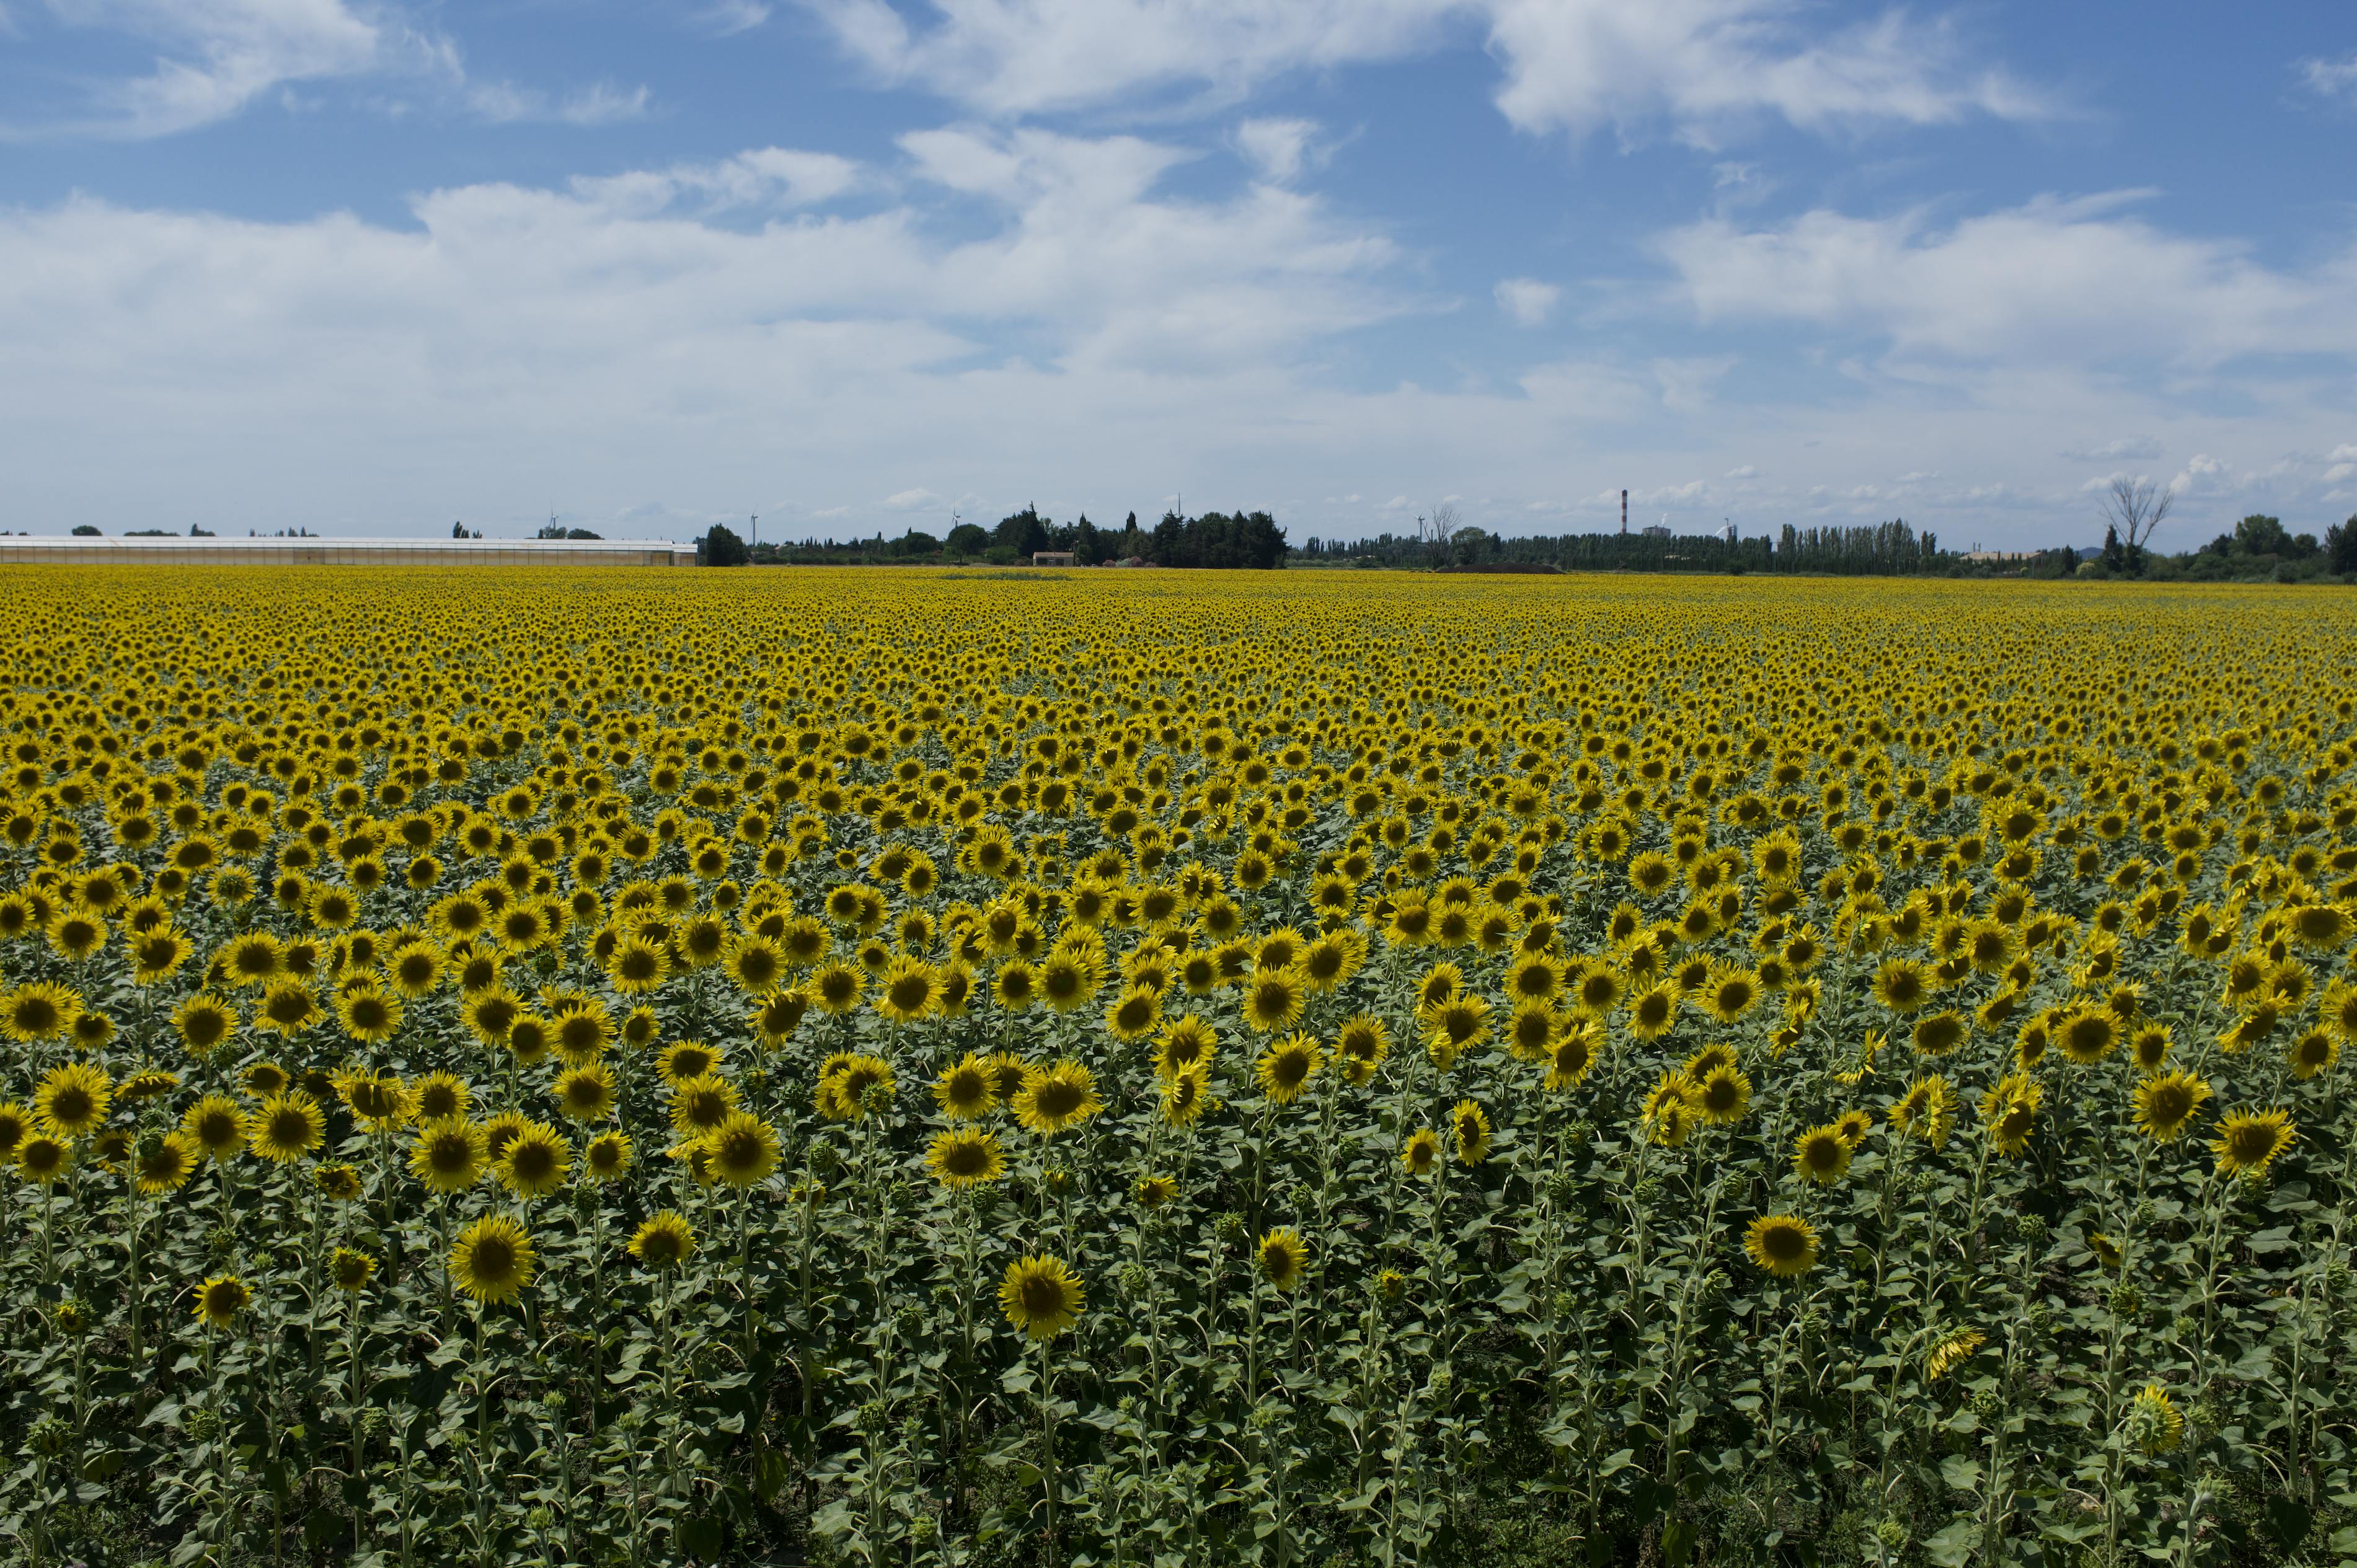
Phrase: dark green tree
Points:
(721, 547)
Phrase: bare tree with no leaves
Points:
(2135, 508)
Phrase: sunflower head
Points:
(1785, 1245)
(1041, 1297)
(220, 1299)
(1282, 1258)
(492, 1259)
(965, 1158)
(664, 1239)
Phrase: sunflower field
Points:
(592, 1068)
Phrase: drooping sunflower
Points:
(663, 1240)
(2249, 1141)
(287, 1127)
(448, 1156)
(1041, 1297)
(1820, 1154)
(1785, 1245)
(220, 1299)
(1282, 1257)
(72, 1099)
(2153, 1423)
(1286, 1069)
(492, 1261)
(1952, 1351)
(2166, 1103)
(965, 1158)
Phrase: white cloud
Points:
(2142, 446)
(214, 58)
(1704, 67)
(2197, 469)
(725, 19)
(2331, 78)
(779, 177)
(601, 103)
(1745, 472)
(2345, 453)
(2051, 282)
(1278, 149)
(1528, 301)
(914, 500)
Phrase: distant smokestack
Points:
(1624, 511)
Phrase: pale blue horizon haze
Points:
(370, 266)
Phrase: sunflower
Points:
(637, 965)
(162, 1165)
(1722, 1098)
(965, 1158)
(1041, 1297)
(701, 1104)
(1186, 1095)
(340, 1182)
(1282, 1258)
(44, 1159)
(1939, 1034)
(219, 1300)
(157, 954)
(1273, 1000)
(1729, 993)
(1926, 1110)
(535, 1162)
(449, 1154)
(439, 1095)
(607, 1156)
(1652, 1012)
(2085, 1036)
(1453, 1026)
(1820, 1154)
(73, 1100)
(1571, 1057)
(687, 1059)
(664, 1239)
(1060, 1095)
(586, 1093)
(369, 1015)
(1468, 1128)
(2249, 1141)
(2149, 1048)
(2313, 1052)
(77, 933)
(1133, 1014)
(780, 1014)
(1362, 1042)
(1286, 1069)
(416, 970)
(1951, 1352)
(1903, 985)
(217, 1124)
(41, 1011)
(1421, 1153)
(909, 990)
(15, 1126)
(492, 1259)
(743, 1149)
(288, 1126)
(2166, 1103)
(2106, 1251)
(847, 1081)
(350, 1270)
(1184, 1044)
(2153, 1423)
(1785, 1245)
(2009, 1111)
(1854, 1124)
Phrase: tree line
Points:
(1229, 540)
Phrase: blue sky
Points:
(367, 267)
